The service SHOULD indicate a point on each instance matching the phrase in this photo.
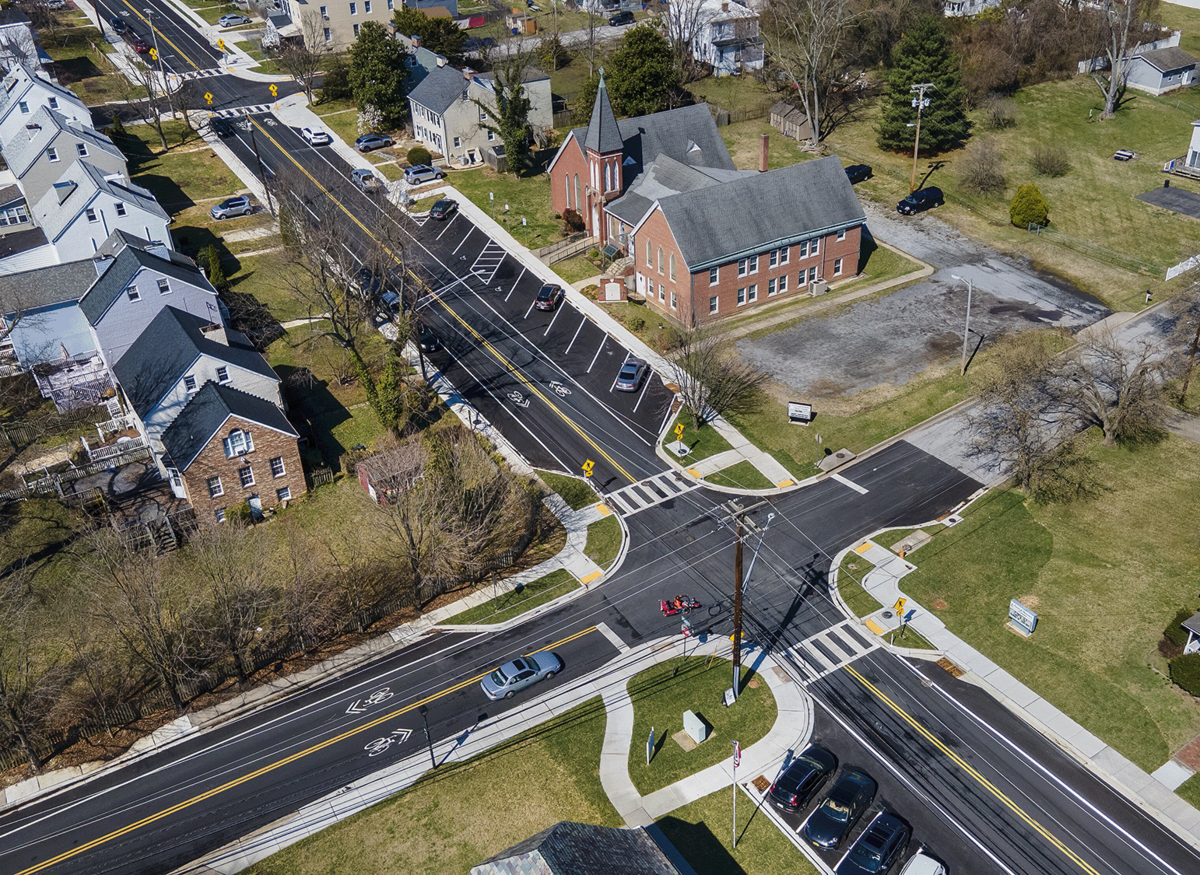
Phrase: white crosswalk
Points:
(239, 111)
(488, 262)
(649, 492)
(835, 647)
(201, 74)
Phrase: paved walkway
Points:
(789, 734)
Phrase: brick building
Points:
(229, 447)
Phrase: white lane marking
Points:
(582, 322)
(529, 309)
(596, 356)
(842, 480)
(515, 284)
(447, 228)
(612, 637)
(466, 237)
(642, 394)
(557, 310)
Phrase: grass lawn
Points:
(188, 172)
(735, 93)
(603, 541)
(460, 815)
(660, 696)
(573, 490)
(527, 197)
(512, 604)
(80, 65)
(743, 475)
(1190, 790)
(1105, 577)
(702, 832)
(849, 583)
(575, 269)
(743, 139)
(263, 276)
(701, 444)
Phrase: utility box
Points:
(818, 287)
(695, 727)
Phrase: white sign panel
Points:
(1022, 616)
(798, 411)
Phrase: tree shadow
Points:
(166, 191)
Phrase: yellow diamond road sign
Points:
(274, 90)
(208, 97)
(154, 54)
(221, 44)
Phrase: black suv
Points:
(920, 200)
(802, 778)
(621, 18)
(880, 845)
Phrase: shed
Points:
(1161, 70)
(1192, 625)
(791, 121)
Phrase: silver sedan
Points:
(525, 671)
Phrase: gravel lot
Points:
(891, 340)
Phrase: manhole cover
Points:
(887, 615)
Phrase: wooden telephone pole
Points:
(920, 102)
(737, 611)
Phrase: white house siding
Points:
(205, 369)
(80, 238)
(43, 173)
(125, 319)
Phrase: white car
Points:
(922, 864)
(316, 136)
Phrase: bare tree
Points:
(713, 379)
(1122, 22)
(1185, 335)
(805, 40)
(302, 59)
(683, 21)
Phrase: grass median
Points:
(1105, 576)
(573, 490)
(513, 603)
(701, 443)
(604, 541)
(743, 475)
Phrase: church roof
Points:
(603, 134)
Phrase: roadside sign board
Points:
(588, 466)
(799, 412)
(1022, 616)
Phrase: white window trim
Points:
(220, 487)
(242, 480)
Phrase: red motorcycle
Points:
(681, 604)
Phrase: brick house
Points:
(710, 248)
(228, 447)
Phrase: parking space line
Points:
(465, 238)
(529, 309)
(557, 310)
(642, 394)
(582, 322)
(515, 284)
(447, 228)
(596, 356)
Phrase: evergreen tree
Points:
(1028, 207)
(377, 73)
(924, 54)
(440, 35)
(509, 118)
(642, 76)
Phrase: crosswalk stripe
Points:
(820, 651)
(649, 492)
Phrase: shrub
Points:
(552, 54)
(419, 155)
(637, 323)
(117, 128)
(572, 221)
(1051, 160)
(999, 112)
(210, 259)
(593, 254)
(981, 169)
(336, 83)
(1175, 633)
(1185, 671)
(370, 120)
(1028, 207)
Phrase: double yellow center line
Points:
(271, 767)
(512, 368)
(165, 38)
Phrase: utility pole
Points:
(737, 611)
(920, 102)
(262, 171)
(967, 328)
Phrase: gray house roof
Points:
(10, 194)
(665, 176)
(42, 128)
(116, 277)
(581, 849)
(79, 186)
(205, 414)
(168, 347)
(603, 133)
(439, 89)
(1168, 60)
(717, 224)
(20, 77)
(56, 284)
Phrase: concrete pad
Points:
(1184, 814)
(1011, 688)
(1046, 714)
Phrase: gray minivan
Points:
(422, 173)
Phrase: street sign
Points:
(1022, 616)
(208, 97)
(588, 466)
(221, 44)
(154, 54)
(650, 746)
(899, 606)
(679, 431)
(274, 89)
(737, 754)
(799, 412)
(686, 629)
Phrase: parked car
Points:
(366, 180)
(548, 297)
(922, 864)
(443, 209)
(523, 672)
(841, 808)
(392, 302)
(629, 378)
(857, 173)
(802, 778)
(139, 45)
(422, 173)
(621, 18)
(118, 24)
(367, 282)
(232, 206)
(56, 4)
(222, 127)
(475, 44)
(880, 845)
(427, 338)
(233, 19)
(920, 200)
(370, 142)
(316, 136)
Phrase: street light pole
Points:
(967, 329)
(423, 711)
(737, 611)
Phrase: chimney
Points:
(416, 41)
(101, 263)
(216, 331)
(724, 5)
(762, 153)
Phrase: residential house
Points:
(41, 314)
(791, 121)
(14, 211)
(340, 20)
(966, 8)
(226, 447)
(583, 849)
(447, 119)
(1192, 159)
(17, 42)
(596, 164)
(49, 142)
(86, 205)
(715, 246)
(23, 93)
(1161, 70)
(728, 39)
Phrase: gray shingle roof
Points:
(720, 223)
(205, 414)
(439, 89)
(583, 849)
(10, 194)
(23, 241)
(1166, 60)
(603, 133)
(42, 128)
(57, 211)
(168, 347)
(46, 285)
(116, 277)
(665, 176)
(20, 77)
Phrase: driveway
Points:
(890, 340)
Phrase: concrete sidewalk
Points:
(790, 733)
